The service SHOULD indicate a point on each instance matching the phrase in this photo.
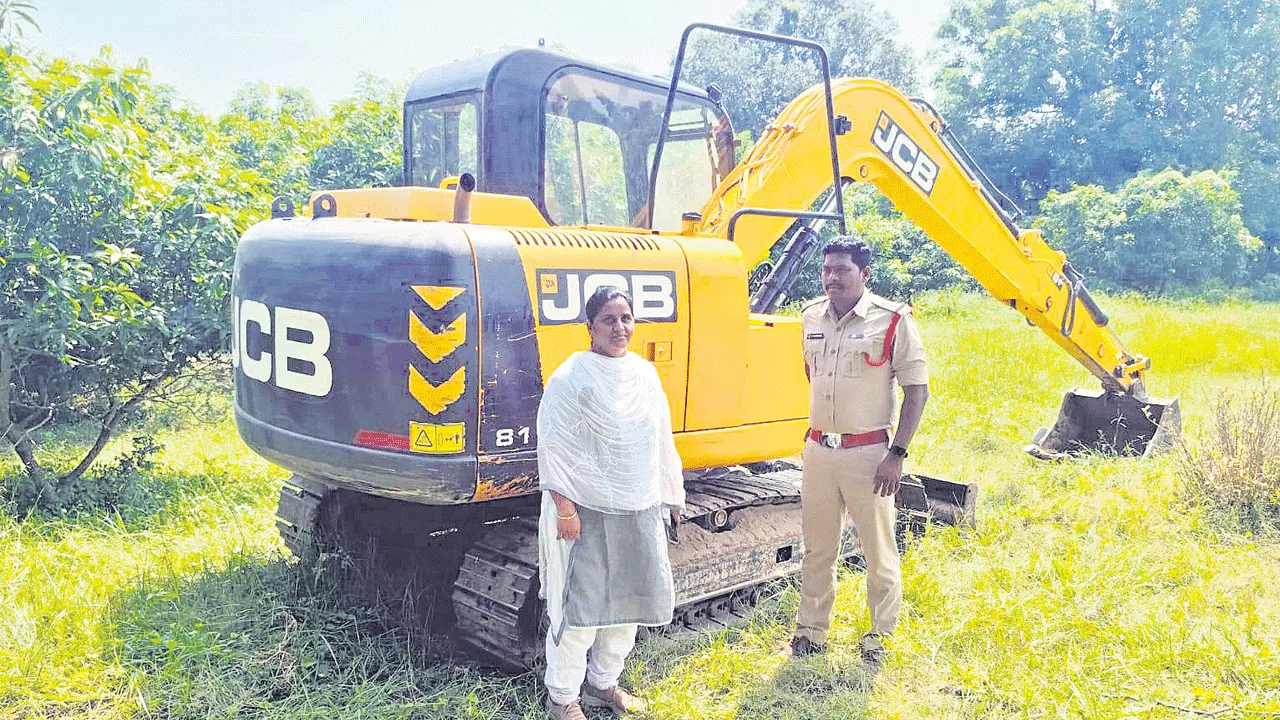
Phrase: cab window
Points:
(444, 140)
(691, 162)
(599, 135)
(585, 180)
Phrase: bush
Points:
(123, 488)
(1235, 473)
(1267, 289)
(1161, 232)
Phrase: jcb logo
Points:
(563, 294)
(904, 153)
(298, 342)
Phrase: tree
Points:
(362, 139)
(118, 217)
(1160, 232)
(283, 137)
(759, 79)
(274, 135)
(16, 17)
(1054, 93)
(1027, 96)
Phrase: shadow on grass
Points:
(122, 495)
(743, 682)
(726, 673)
(822, 687)
(738, 671)
(275, 640)
(270, 640)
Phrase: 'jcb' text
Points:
(905, 153)
(286, 347)
(563, 294)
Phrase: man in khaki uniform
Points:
(857, 346)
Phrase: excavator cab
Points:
(575, 138)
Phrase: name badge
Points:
(855, 336)
(815, 336)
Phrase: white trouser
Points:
(568, 664)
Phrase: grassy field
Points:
(1090, 589)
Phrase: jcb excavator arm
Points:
(901, 147)
(886, 139)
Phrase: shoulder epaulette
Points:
(896, 308)
(883, 302)
(804, 309)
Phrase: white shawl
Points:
(604, 442)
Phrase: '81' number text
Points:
(508, 437)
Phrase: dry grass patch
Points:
(1234, 473)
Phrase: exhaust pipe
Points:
(462, 198)
(1109, 423)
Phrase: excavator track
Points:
(711, 495)
(298, 514)
(495, 598)
(741, 530)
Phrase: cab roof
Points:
(521, 72)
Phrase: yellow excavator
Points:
(390, 347)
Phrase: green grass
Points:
(1089, 589)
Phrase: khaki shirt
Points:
(846, 393)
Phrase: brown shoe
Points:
(571, 711)
(801, 646)
(615, 698)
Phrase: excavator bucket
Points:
(923, 500)
(1108, 423)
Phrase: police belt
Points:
(848, 440)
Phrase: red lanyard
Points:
(888, 336)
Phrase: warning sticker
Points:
(437, 439)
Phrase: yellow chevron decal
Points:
(435, 398)
(437, 346)
(437, 296)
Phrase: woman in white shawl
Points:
(610, 477)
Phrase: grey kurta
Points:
(618, 571)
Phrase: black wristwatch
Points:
(898, 450)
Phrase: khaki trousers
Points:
(836, 480)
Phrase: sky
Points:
(208, 49)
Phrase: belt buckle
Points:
(831, 440)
